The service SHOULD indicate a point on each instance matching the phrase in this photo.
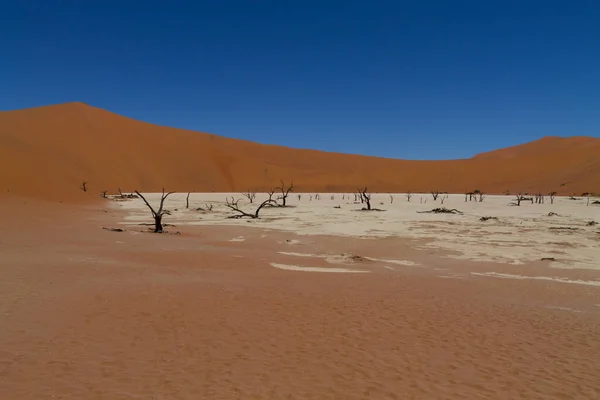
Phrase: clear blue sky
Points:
(405, 79)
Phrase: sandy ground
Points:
(87, 313)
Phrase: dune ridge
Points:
(46, 152)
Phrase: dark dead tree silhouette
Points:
(409, 196)
(250, 196)
(299, 197)
(234, 206)
(103, 193)
(157, 215)
(391, 198)
(285, 192)
(187, 200)
(435, 194)
(552, 195)
(84, 186)
(365, 198)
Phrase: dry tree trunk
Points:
(187, 200)
(409, 196)
(157, 215)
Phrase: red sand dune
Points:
(47, 152)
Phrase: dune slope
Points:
(47, 152)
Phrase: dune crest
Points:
(46, 153)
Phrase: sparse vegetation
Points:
(441, 210)
(409, 196)
(157, 215)
(250, 196)
(435, 194)
(234, 206)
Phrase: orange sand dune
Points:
(47, 152)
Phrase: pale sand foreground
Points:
(519, 235)
(90, 314)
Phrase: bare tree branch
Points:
(157, 215)
(233, 205)
(250, 196)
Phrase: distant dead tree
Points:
(270, 193)
(552, 194)
(365, 198)
(317, 196)
(84, 186)
(333, 197)
(356, 197)
(539, 198)
(250, 196)
(187, 200)
(103, 193)
(310, 197)
(157, 215)
(409, 196)
(443, 198)
(299, 197)
(520, 198)
(480, 195)
(435, 194)
(233, 205)
(285, 192)
(343, 196)
(391, 198)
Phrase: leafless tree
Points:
(285, 192)
(435, 194)
(310, 197)
(365, 197)
(157, 215)
(233, 205)
(187, 200)
(356, 197)
(539, 198)
(84, 186)
(552, 194)
(333, 197)
(103, 193)
(443, 198)
(299, 197)
(481, 196)
(250, 196)
(521, 197)
(409, 196)
(317, 196)
(391, 198)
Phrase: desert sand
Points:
(319, 300)
(224, 309)
(47, 152)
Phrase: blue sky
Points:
(404, 79)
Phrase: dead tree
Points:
(84, 186)
(103, 193)
(481, 196)
(391, 198)
(409, 196)
(365, 198)
(552, 194)
(157, 215)
(443, 198)
(187, 200)
(299, 197)
(521, 197)
(539, 198)
(356, 197)
(310, 196)
(317, 196)
(285, 192)
(250, 196)
(333, 197)
(233, 205)
(435, 194)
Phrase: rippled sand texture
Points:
(94, 314)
